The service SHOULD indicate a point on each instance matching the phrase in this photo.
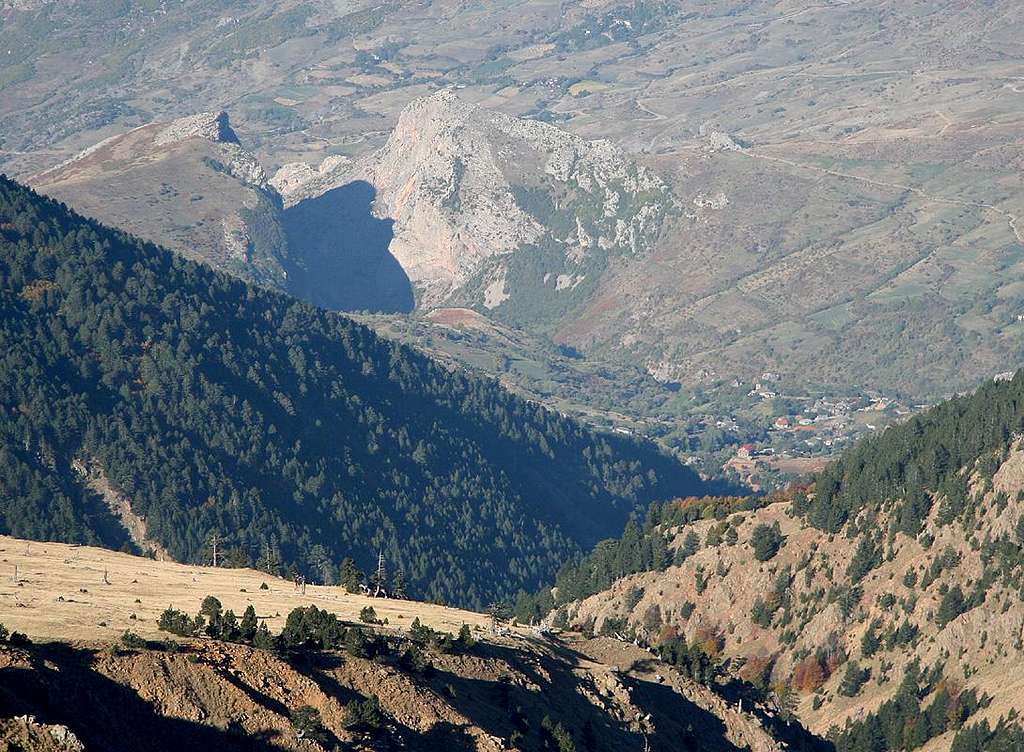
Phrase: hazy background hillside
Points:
(828, 194)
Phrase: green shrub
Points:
(132, 641)
(766, 540)
(307, 723)
(363, 715)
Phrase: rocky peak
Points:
(212, 126)
(459, 181)
(296, 181)
(188, 184)
(442, 177)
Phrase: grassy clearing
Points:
(61, 594)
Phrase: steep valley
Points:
(574, 376)
(213, 407)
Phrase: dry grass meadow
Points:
(60, 594)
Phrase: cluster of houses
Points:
(822, 425)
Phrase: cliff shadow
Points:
(61, 687)
(504, 709)
(345, 253)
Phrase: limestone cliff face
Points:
(187, 184)
(439, 177)
(469, 190)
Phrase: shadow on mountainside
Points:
(501, 708)
(60, 687)
(796, 737)
(345, 252)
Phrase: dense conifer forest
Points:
(300, 436)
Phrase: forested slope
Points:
(298, 434)
(881, 603)
(925, 454)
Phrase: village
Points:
(779, 436)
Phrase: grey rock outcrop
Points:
(458, 180)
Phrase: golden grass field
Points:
(92, 611)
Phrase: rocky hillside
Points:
(188, 185)
(919, 575)
(708, 267)
(514, 216)
(80, 685)
(510, 694)
(703, 269)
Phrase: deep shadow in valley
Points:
(61, 688)
(345, 252)
(509, 711)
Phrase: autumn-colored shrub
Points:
(709, 639)
(667, 634)
(757, 670)
(808, 674)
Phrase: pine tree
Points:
(248, 625)
(215, 543)
(363, 715)
(211, 609)
(398, 585)
(691, 544)
(951, 606)
(853, 679)
(466, 640)
(264, 640)
(355, 643)
(320, 563)
(235, 558)
(350, 576)
(787, 701)
(870, 643)
(766, 541)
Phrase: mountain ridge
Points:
(212, 404)
(917, 567)
(188, 184)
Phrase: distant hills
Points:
(134, 376)
(687, 269)
(187, 184)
